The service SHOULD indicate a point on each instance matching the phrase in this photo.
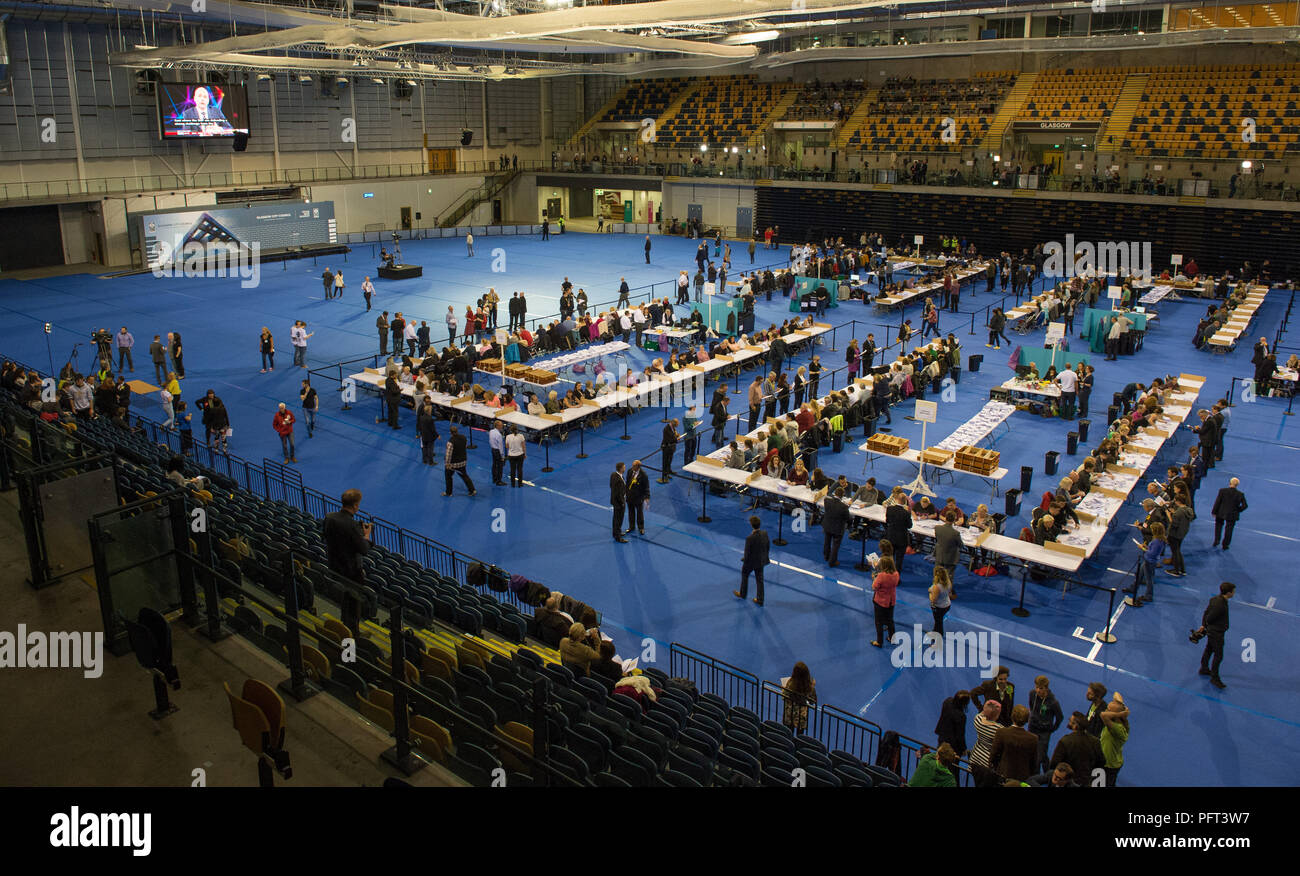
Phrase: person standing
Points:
(947, 544)
(835, 519)
(1014, 748)
(997, 322)
(516, 453)
(1079, 748)
(422, 338)
(267, 346)
(125, 341)
(282, 421)
(1228, 505)
(346, 541)
(940, 597)
(158, 355)
(720, 417)
(1067, 380)
(451, 323)
(310, 404)
(1214, 625)
(1207, 437)
(367, 291)
(691, 437)
(623, 293)
(1114, 735)
(456, 460)
(667, 447)
(618, 500)
(1045, 716)
(426, 424)
(298, 336)
(469, 244)
(884, 590)
(647, 249)
(1180, 522)
(1084, 388)
(338, 284)
(638, 495)
(327, 280)
(216, 419)
(178, 354)
(752, 247)
(898, 525)
(490, 302)
(411, 336)
(397, 326)
(381, 325)
(755, 559)
(755, 401)
(546, 222)
(497, 443)
(393, 396)
(166, 398)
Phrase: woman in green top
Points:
(1113, 737)
(935, 769)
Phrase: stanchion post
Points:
(582, 447)
(780, 520)
(704, 503)
(1107, 637)
(1020, 610)
(627, 412)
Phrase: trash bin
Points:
(973, 363)
(1026, 477)
(1083, 430)
(998, 521)
(1072, 443)
(955, 371)
(1013, 502)
(1112, 414)
(1050, 461)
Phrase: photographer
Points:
(346, 542)
(104, 347)
(1214, 624)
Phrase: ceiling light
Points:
(376, 79)
(744, 39)
(144, 47)
(304, 79)
(704, 147)
(342, 80)
(412, 83)
(262, 77)
(1245, 165)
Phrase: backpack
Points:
(685, 685)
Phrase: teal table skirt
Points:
(806, 285)
(1042, 357)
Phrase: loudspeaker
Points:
(240, 143)
(465, 137)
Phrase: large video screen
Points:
(191, 109)
(170, 235)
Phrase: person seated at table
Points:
(950, 506)
(672, 366)
(1032, 373)
(553, 405)
(735, 456)
(752, 453)
(981, 519)
(506, 396)
(605, 387)
(1051, 374)
(798, 474)
(867, 494)
(1293, 364)
(771, 463)
(924, 509)
(818, 480)
(491, 399)
(571, 399)
(588, 389)
(1044, 528)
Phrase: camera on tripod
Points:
(102, 337)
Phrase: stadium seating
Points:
(908, 115)
(1076, 95)
(725, 110)
(645, 98)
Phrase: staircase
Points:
(855, 119)
(778, 110)
(464, 205)
(1011, 107)
(1121, 115)
(588, 126)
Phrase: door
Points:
(696, 212)
(744, 222)
(406, 218)
(554, 208)
(496, 211)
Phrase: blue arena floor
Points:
(674, 584)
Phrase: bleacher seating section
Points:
(645, 98)
(1197, 112)
(816, 101)
(1076, 95)
(471, 655)
(725, 111)
(908, 115)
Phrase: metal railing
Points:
(714, 676)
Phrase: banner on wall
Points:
(165, 236)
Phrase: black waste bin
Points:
(868, 427)
(998, 521)
(973, 363)
(1050, 461)
(1112, 414)
(1026, 477)
(955, 371)
(1083, 430)
(1013, 502)
(936, 385)
(1072, 443)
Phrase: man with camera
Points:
(104, 347)
(346, 541)
(1214, 624)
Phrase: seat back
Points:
(249, 721)
(153, 621)
(315, 663)
(142, 643)
(262, 695)
(431, 737)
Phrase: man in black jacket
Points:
(393, 395)
(755, 560)
(457, 459)
(1207, 437)
(638, 492)
(381, 324)
(835, 519)
(1045, 718)
(898, 526)
(1228, 506)
(947, 544)
(346, 541)
(951, 727)
(1214, 624)
(427, 425)
(667, 447)
(618, 499)
(1080, 749)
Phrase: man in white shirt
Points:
(625, 324)
(1068, 381)
(639, 321)
(411, 337)
(496, 441)
(469, 244)
(367, 289)
(682, 283)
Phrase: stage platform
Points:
(401, 272)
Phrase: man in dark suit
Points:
(346, 541)
(647, 249)
(203, 108)
(1214, 624)
(835, 519)
(523, 309)
(1228, 506)
(381, 325)
(898, 526)
(637, 493)
(1015, 750)
(1080, 749)
(618, 499)
(947, 545)
(327, 278)
(393, 395)
(667, 447)
(1207, 437)
(755, 560)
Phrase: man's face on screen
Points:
(202, 98)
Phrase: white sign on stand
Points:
(1175, 259)
(918, 239)
(1055, 332)
(1115, 293)
(926, 412)
(710, 288)
(502, 336)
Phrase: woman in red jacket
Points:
(884, 589)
